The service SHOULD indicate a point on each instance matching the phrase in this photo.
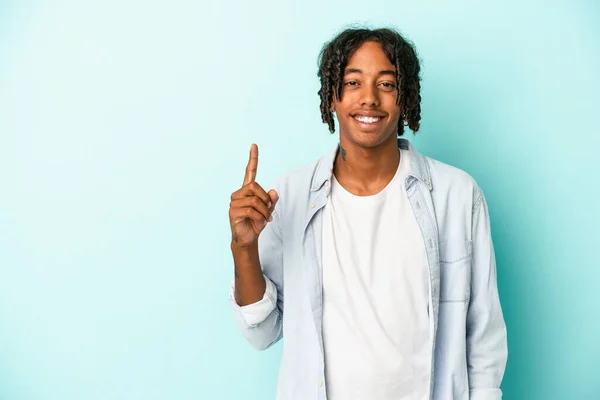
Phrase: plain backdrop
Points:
(125, 126)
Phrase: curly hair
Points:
(334, 57)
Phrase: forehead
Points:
(369, 55)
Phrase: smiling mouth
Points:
(367, 122)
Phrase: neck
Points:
(365, 171)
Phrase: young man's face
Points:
(367, 112)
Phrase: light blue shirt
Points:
(469, 348)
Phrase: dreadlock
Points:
(334, 57)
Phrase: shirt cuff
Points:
(485, 394)
(256, 313)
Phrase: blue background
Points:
(125, 126)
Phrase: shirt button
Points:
(312, 206)
(320, 383)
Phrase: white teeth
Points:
(367, 120)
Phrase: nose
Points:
(369, 96)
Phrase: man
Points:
(375, 263)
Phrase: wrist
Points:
(246, 248)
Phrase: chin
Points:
(367, 139)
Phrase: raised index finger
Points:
(252, 165)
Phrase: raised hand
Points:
(251, 207)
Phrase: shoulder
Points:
(450, 175)
(450, 181)
(299, 178)
(294, 190)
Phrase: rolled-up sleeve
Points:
(256, 313)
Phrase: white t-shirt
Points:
(375, 295)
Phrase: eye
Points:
(388, 85)
(351, 83)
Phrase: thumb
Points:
(274, 197)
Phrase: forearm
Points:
(250, 283)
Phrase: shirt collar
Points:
(418, 168)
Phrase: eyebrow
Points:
(358, 71)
